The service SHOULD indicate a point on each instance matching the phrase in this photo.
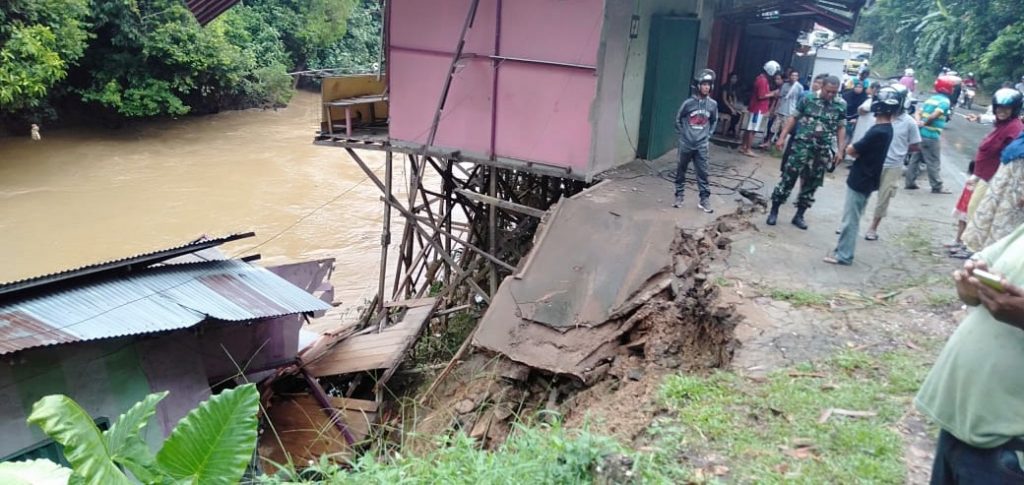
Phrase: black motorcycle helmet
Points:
(886, 101)
(1008, 97)
(904, 96)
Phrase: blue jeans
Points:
(852, 210)
(957, 462)
(699, 156)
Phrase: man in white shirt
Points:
(906, 137)
(792, 91)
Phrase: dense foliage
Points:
(983, 36)
(213, 443)
(142, 58)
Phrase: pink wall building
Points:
(549, 85)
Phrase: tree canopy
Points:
(981, 36)
(143, 58)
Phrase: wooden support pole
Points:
(405, 212)
(456, 56)
(333, 414)
(447, 257)
(385, 240)
(504, 204)
(492, 231)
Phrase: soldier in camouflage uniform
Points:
(821, 121)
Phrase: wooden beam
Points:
(504, 204)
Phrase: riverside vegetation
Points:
(127, 59)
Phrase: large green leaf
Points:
(214, 443)
(124, 440)
(64, 421)
(33, 472)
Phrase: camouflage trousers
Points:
(806, 163)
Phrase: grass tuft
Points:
(770, 431)
(800, 297)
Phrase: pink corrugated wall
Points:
(542, 111)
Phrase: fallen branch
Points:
(807, 374)
(828, 413)
(451, 364)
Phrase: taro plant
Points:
(212, 444)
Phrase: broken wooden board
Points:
(305, 432)
(566, 309)
(383, 350)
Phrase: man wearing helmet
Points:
(820, 120)
(695, 122)
(760, 101)
(908, 80)
(866, 173)
(931, 119)
(906, 138)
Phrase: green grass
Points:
(916, 239)
(537, 454)
(756, 427)
(440, 345)
(942, 299)
(799, 297)
(752, 431)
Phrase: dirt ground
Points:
(753, 299)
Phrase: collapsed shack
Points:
(673, 322)
(584, 326)
(328, 402)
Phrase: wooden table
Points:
(347, 104)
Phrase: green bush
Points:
(212, 444)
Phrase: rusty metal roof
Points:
(123, 265)
(150, 300)
(207, 10)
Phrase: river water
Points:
(87, 194)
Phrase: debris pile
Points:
(674, 322)
(327, 403)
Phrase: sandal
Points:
(871, 236)
(962, 253)
(832, 260)
(953, 245)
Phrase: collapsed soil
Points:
(685, 327)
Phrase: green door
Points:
(670, 57)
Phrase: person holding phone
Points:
(973, 391)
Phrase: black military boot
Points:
(798, 219)
(773, 215)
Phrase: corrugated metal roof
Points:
(152, 300)
(129, 263)
(207, 10)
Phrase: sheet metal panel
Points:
(153, 300)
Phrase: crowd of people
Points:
(971, 392)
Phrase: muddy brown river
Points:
(85, 195)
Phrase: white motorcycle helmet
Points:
(908, 72)
(772, 67)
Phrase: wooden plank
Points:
(412, 303)
(306, 433)
(343, 403)
(504, 204)
(358, 364)
(383, 354)
(374, 98)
